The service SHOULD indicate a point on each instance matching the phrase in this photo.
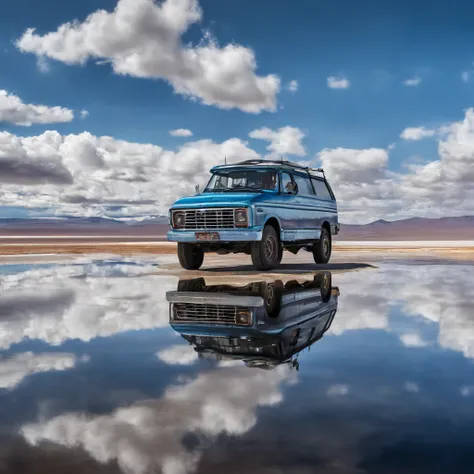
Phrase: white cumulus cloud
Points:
(366, 189)
(284, 141)
(412, 81)
(88, 175)
(43, 65)
(143, 38)
(15, 111)
(466, 76)
(293, 85)
(338, 82)
(417, 133)
(181, 132)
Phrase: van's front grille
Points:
(205, 313)
(208, 219)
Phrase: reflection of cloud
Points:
(216, 402)
(360, 307)
(81, 302)
(179, 354)
(16, 368)
(412, 387)
(413, 340)
(467, 390)
(437, 293)
(338, 390)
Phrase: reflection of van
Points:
(261, 323)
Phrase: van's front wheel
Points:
(190, 256)
(266, 254)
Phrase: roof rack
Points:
(284, 163)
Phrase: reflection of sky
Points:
(81, 302)
(89, 360)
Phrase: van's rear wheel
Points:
(323, 281)
(322, 248)
(272, 294)
(190, 256)
(266, 254)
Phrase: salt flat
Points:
(406, 244)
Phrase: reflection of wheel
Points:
(196, 284)
(324, 282)
(266, 253)
(280, 254)
(272, 294)
(190, 256)
(322, 247)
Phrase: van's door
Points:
(327, 207)
(288, 207)
(310, 217)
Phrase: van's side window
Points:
(322, 190)
(304, 186)
(286, 183)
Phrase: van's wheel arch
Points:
(190, 256)
(266, 253)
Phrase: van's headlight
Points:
(241, 218)
(243, 317)
(178, 219)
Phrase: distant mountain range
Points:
(447, 228)
(83, 226)
(415, 228)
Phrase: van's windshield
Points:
(241, 180)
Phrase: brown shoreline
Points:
(157, 248)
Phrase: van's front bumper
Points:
(234, 235)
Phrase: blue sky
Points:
(376, 46)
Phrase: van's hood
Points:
(216, 200)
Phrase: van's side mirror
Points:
(197, 188)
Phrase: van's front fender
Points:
(261, 218)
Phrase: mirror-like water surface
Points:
(107, 366)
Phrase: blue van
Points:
(257, 207)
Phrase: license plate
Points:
(207, 236)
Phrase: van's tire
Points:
(323, 281)
(272, 294)
(190, 256)
(280, 254)
(322, 248)
(266, 254)
(196, 284)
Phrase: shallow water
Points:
(94, 379)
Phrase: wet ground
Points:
(94, 379)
